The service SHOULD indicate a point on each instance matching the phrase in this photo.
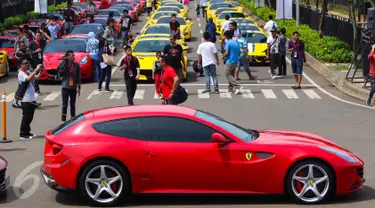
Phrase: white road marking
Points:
(196, 84)
(269, 94)
(139, 94)
(114, 70)
(203, 95)
(224, 93)
(198, 19)
(202, 40)
(329, 94)
(199, 25)
(201, 31)
(312, 94)
(290, 94)
(93, 93)
(246, 93)
(116, 94)
(52, 96)
(10, 97)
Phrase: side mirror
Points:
(219, 138)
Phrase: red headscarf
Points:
(104, 4)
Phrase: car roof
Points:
(8, 37)
(91, 24)
(143, 109)
(153, 38)
(159, 25)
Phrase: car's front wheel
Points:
(310, 182)
(104, 183)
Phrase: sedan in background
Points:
(84, 29)
(54, 52)
(111, 153)
(7, 45)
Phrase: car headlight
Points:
(341, 154)
(84, 60)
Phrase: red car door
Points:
(182, 158)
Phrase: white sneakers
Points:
(238, 90)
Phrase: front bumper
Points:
(349, 179)
(4, 181)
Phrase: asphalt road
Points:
(265, 104)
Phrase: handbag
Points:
(180, 94)
(108, 59)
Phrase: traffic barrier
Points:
(4, 118)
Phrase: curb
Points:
(330, 75)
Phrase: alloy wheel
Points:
(310, 183)
(104, 184)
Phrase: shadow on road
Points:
(12, 149)
(10, 195)
(366, 194)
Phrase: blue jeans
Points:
(297, 66)
(372, 91)
(210, 70)
(105, 73)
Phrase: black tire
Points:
(331, 180)
(125, 179)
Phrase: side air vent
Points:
(263, 155)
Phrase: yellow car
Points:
(180, 6)
(158, 29)
(237, 5)
(175, 9)
(156, 15)
(221, 10)
(221, 18)
(244, 21)
(248, 27)
(4, 66)
(162, 3)
(145, 50)
(257, 46)
(185, 26)
(179, 41)
(211, 9)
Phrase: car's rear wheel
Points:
(104, 183)
(310, 182)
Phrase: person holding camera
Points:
(70, 75)
(26, 93)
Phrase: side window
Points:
(126, 128)
(173, 129)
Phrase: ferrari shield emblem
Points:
(248, 156)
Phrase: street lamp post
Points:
(297, 12)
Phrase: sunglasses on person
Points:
(25, 63)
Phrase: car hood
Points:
(258, 49)
(146, 60)
(9, 51)
(294, 138)
(53, 60)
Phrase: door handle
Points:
(150, 155)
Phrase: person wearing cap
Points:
(273, 52)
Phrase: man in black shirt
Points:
(174, 27)
(175, 55)
(131, 74)
(36, 48)
(126, 26)
(69, 16)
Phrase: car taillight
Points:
(56, 148)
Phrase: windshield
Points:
(150, 46)
(224, 10)
(234, 129)
(103, 22)
(62, 127)
(61, 46)
(256, 38)
(233, 14)
(216, 1)
(249, 27)
(123, 7)
(6, 43)
(82, 6)
(216, 6)
(234, 3)
(77, 8)
(180, 6)
(115, 12)
(55, 16)
(120, 2)
(86, 28)
(8, 33)
(38, 21)
(157, 15)
(170, 9)
(167, 20)
(157, 30)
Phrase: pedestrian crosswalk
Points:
(149, 93)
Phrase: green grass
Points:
(342, 67)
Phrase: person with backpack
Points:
(173, 93)
(26, 93)
(131, 67)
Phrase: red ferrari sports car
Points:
(106, 154)
(7, 45)
(54, 52)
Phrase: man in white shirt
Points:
(207, 58)
(273, 44)
(225, 26)
(269, 25)
(204, 6)
(26, 91)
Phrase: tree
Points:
(352, 7)
(322, 15)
